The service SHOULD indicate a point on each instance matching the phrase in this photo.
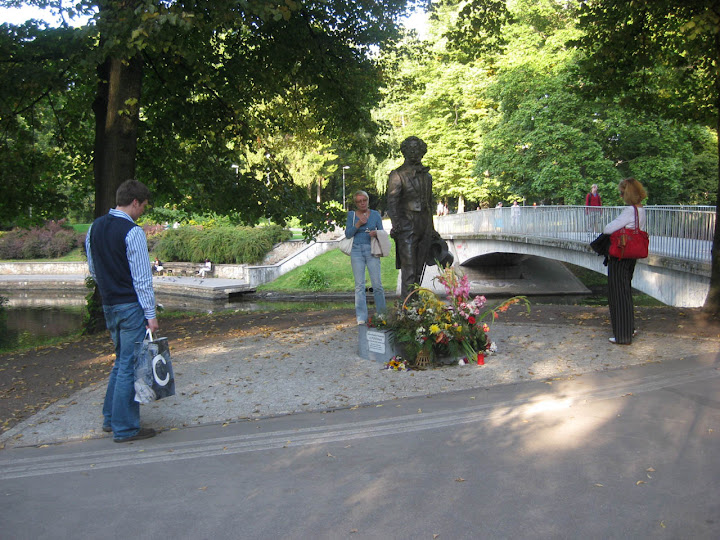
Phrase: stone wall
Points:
(44, 268)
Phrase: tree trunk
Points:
(319, 189)
(712, 302)
(116, 108)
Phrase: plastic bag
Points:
(154, 377)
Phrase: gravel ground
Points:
(317, 368)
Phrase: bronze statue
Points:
(410, 206)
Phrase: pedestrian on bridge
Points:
(593, 202)
(620, 271)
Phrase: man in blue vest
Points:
(117, 255)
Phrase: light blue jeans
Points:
(121, 412)
(360, 258)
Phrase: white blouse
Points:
(626, 219)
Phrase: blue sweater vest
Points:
(109, 254)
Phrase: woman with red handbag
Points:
(620, 270)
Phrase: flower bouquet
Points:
(425, 324)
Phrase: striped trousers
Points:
(620, 300)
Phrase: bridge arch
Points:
(672, 281)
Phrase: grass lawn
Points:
(336, 268)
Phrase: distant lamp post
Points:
(345, 167)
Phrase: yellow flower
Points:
(434, 328)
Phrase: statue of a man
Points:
(410, 206)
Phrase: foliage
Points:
(46, 143)
(314, 279)
(51, 240)
(222, 245)
(520, 122)
(221, 81)
(671, 69)
(423, 322)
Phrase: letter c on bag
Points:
(160, 358)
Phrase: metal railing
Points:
(681, 232)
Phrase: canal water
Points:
(30, 319)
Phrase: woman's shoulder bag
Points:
(345, 244)
(630, 243)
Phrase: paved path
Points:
(318, 368)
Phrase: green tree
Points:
(203, 83)
(431, 93)
(661, 56)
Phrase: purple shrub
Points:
(52, 240)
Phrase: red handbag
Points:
(630, 243)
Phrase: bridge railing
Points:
(682, 232)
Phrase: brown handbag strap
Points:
(637, 219)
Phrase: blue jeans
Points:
(126, 323)
(359, 259)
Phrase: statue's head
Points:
(413, 148)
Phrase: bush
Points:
(222, 245)
(153, 233)
(313, 279)
(54, 239)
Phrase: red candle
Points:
(481, 359)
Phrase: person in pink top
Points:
(593, 213)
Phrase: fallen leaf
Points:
(599, 485)
(459, 479)
(640, 482)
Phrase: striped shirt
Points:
(140, 269)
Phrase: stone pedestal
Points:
(375, 344)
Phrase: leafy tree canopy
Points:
(220, 79)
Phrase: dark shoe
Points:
(107, 429)
(144, 433)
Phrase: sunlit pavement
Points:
(628, 453)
